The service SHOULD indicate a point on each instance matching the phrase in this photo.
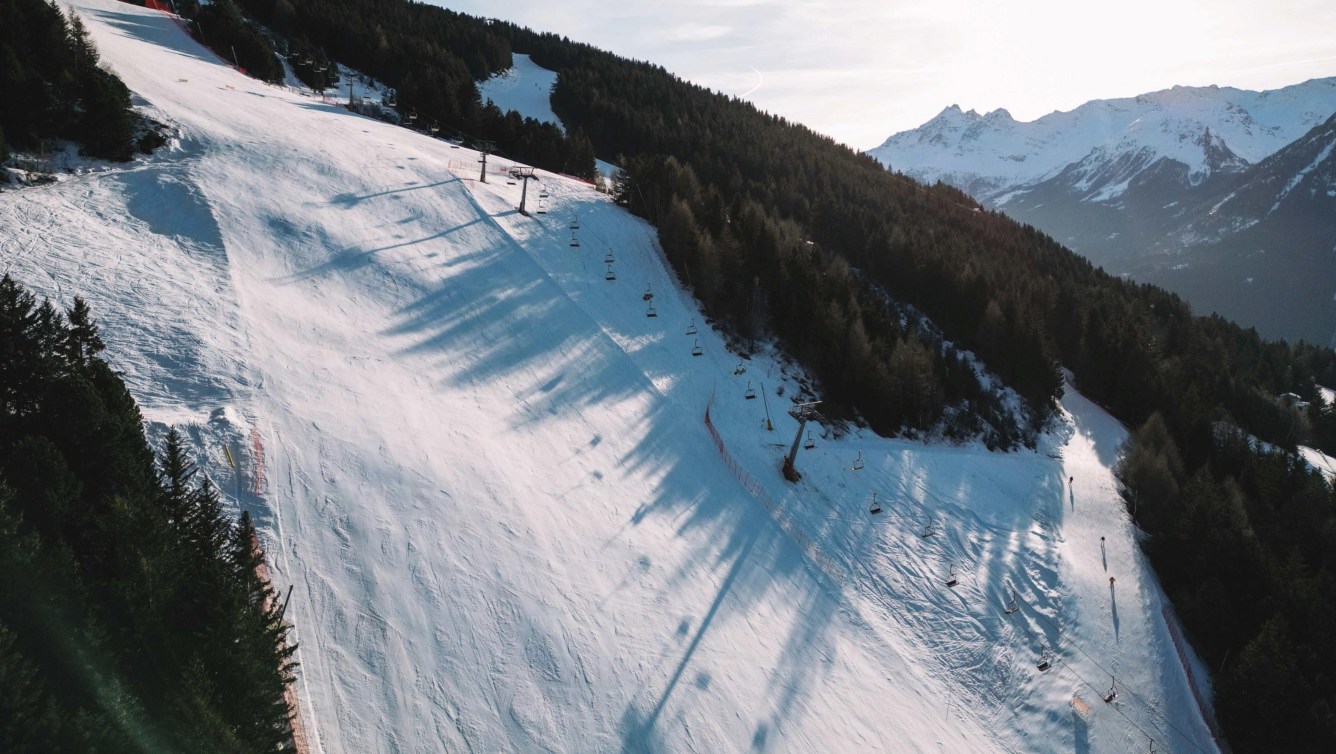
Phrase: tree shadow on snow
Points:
(157, 30)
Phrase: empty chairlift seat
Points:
(1045, 660)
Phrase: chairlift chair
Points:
(858, 462)
(951, 579)
(750, 393)
(739, 369)
(608, 258)
(649, 294)
(875, 507)
(691, 328)
(575, 242)
(929, 529)
(651, 312)
(1045, 660)
(1012, 606)
(696, 350)
(575, 223)
(609, 275)
(809, 443)
(1113, 690)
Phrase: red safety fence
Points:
(258, 446)
(828, 566)
(1176, 634)
(296, 727)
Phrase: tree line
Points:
(56, 88)
(430, 56)
(131, 614)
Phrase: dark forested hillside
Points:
(431, 57)
(221, 27)
(131, 615)
(54, 87)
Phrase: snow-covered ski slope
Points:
(487, 473)
(525, 87)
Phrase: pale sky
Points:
(860, 70)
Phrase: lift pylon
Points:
(803, 412)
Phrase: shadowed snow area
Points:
(487, 473)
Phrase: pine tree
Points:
(176, 472)
(30, 724)
(205, 524)
(82, 342)
(18, 353)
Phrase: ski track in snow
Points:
(486, 471)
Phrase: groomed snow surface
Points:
(486, 470)
(525, 87)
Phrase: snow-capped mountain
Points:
(1204, 128)
(1178, 187)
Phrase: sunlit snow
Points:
(487, 474)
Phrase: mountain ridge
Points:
(1253, 124)
(1154, 187)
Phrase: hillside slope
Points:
(486, 472)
